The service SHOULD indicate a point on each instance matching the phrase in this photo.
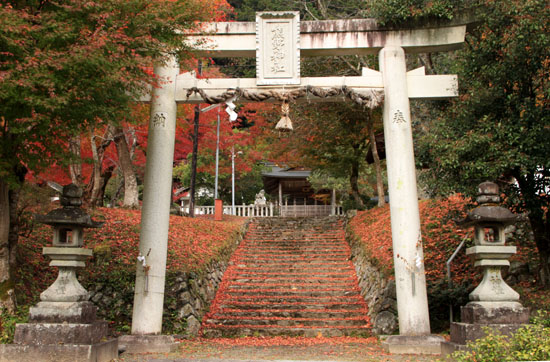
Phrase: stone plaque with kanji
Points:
(278, 48)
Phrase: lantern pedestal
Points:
(64, 321)
(504, 318)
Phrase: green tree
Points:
(332, 139)
(499, 127)
(245, 10)
(66, 66)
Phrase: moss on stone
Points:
(5, 287)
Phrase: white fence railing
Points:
(310, 210)
(270, 210)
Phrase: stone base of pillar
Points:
(147, 344)
(99, 352)
(501, 317)
(429, 344)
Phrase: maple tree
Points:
(244, 136)
(68, 66)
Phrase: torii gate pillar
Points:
(150, 274)
(408, 259)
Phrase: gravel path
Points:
(258, 349)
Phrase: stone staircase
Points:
(289, 277)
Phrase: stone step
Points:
(289, 277)
(276, 234)
(306, 277)
(293, 243)
(290, 247)
(311, 269)
(295, 255)
(310, 266)
(288, 321)
(351, 304)
(295, 248)
(291, 313)
(282, 231)
(294, 280)
(297, 240)
(214, 331)
(292, 288)
(289, 299)
(306, 261)
(281, 294)
(291, 252)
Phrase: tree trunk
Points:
(541, 234)
(354, 183)
(13, 194)
(119, 189)
(377, 165)
(104, 179)
(131, 199)
(7, 298)
(194, 162)
(538, 218)
(75, 167)
(98, 181)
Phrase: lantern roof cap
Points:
(70, 213)
(489, 211)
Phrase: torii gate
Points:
(277, 40)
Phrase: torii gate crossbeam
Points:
(315, 38)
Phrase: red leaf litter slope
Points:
(289, 277)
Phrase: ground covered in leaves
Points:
(281, 348)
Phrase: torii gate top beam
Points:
(329, 37)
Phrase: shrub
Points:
(8, 322)
(529, 343)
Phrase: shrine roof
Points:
(287, 174)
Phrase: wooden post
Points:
(218, 210)
(333, 203)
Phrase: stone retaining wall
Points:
(377, 288)
(187, 297)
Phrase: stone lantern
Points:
(67, 252)
(493, 303)
(64, 322)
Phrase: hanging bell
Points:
(284, 124)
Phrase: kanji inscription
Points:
(278, 48)
(159, 120)
(398, 117)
